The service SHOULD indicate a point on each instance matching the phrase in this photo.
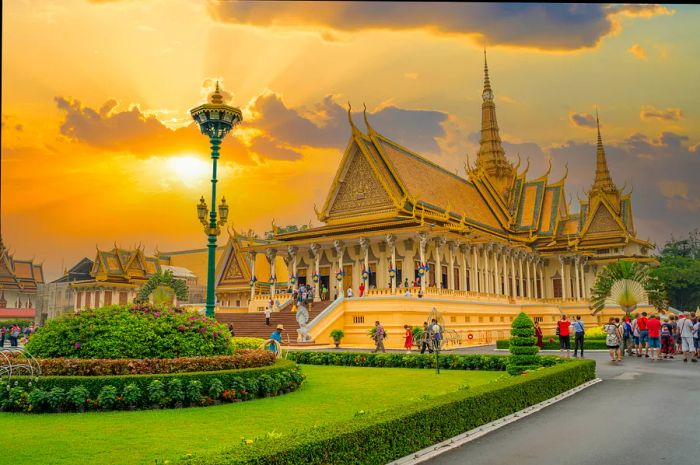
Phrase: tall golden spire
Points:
(603, 182)
(491, 157)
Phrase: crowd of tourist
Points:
(13, 334)
(430, 337)
(653, 336)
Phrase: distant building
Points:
(19, 284)
(58, 297)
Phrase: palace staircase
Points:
(253, 324)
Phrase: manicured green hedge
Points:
(393, 360)
(246, 358)
(147, 391)
(588, 344)
(383, 436)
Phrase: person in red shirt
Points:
(564, 335)
(654, 341)
(643, 335)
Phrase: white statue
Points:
(302, 316)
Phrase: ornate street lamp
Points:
(215, 119)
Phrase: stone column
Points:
(251, 261)
(439, 244)
(576, 262)
(496, 277)
(475, 271)
(543, 293)
(583, 277)
(316, 252)
(340, 252)
(391, 243)
(423, 241)
(563, 278)
(506, 287)
(487, 280)
(452, 247)
(271, 253)
(521, 278)
(292, 253)
(464, 249)
(528, 260)
(513, 289)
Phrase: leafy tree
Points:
(522, 346)
(679, 270)
(161, 296)
(626, 284)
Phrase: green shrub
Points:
(131, 395)
(38, 400)
(175, 391)
(239, 343)
(77, 397)
(193, 392)
(107, 398)
(55, 398)
(134, 332)
(147, 391)
(588, 343)
(522, 346)
(384, 436)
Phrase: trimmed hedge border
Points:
(588, 344)
(448, 362)
(381, 437)
(80, 393)
(246, 358)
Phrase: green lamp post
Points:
(215, 119)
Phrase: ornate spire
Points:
(603, 182)
(216, 98)
(491, 157)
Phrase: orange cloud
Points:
(649, 112)
(638, 52)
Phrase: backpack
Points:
(627, 329)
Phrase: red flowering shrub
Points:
(101, 367)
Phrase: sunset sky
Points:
(97, 144)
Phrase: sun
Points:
(189, 169)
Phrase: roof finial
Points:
(487, 82)
(352, 124)
(603, 182)
(216, 98)
(364, 113)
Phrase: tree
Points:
(626, 284)
(522, 346)
(679, 271)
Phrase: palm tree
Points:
(626, 284)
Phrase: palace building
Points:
(20, 281)
(479, 248)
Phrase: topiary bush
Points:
(522, 346)
(132, 331)
(240, 343)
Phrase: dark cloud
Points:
(582, 120)
(669, 114)
(327, 125)
(545, 26)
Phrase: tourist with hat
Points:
(277, 336)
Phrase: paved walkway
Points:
(643, 413)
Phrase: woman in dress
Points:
(538, 334)
(612, 341)
(409, 338)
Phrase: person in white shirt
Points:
(685, 330)
(268, 314)
(349, 292)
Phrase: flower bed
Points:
(552, 343)
(132, 331)
(449, 362)
(81, 393)
(105, 367)
(384, 436)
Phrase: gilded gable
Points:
(603, 221)
(359, 191)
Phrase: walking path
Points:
(644, 413)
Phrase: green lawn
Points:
(329, 394)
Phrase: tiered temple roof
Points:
(17, 275)
(122, 265)
(381, 185)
